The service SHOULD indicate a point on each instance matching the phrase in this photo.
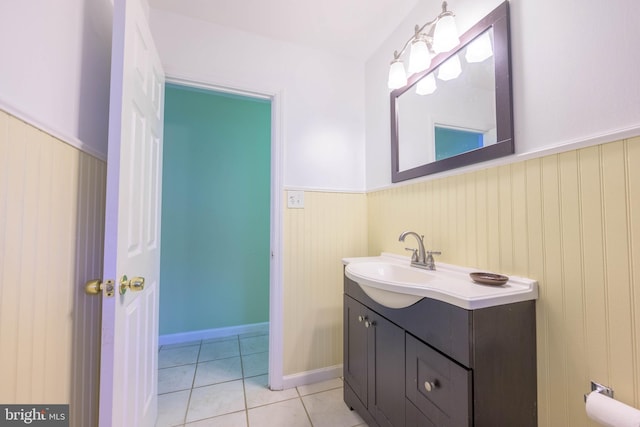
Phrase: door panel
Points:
(129, 354)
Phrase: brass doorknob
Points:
(135, 284)
(95, 287)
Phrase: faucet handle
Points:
(414, 256)
(431, 264)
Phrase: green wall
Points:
(215, 211)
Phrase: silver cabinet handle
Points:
(430, 385)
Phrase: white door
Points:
(129, 354)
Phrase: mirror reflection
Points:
(459, 111)
(450, 110)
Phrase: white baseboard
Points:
(207, 334)
(311, 377)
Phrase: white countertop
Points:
(448, 283)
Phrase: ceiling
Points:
(349, 28)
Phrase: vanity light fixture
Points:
(450, 69)
(397, 75)
(479, 49)
(426, 85)
(442, 36)
(419, 56)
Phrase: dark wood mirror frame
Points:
(498, 19)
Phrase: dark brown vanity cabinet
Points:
(436, 364)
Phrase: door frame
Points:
(276, 306)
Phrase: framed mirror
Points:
(459, 111)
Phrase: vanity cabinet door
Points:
(415, 418)
(374, 364)
(355, 348)
(386, 371)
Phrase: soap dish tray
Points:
(488, 278)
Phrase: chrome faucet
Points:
(420, 258)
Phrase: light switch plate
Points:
(295, 199)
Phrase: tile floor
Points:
(223, 383)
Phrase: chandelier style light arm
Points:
(397, 76)
(418, 30)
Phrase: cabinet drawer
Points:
(437, 386)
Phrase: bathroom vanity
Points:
(435, 363)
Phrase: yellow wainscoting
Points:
(330, 227)
(51, 237)
(571, 221)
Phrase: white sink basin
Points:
(371, 275)
(392, 282)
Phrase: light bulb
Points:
(426, 85)
(445, 36)
(480, 49)
(450, 69)
(420, 58)
(397, 75)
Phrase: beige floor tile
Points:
(237, 419)
(178, 356)
(218, 399)
(257, 393)
(255, 364)
(218, 371)
(219, 350)
(327, 409)
(221, 396)
(289, 413)
(321, 386)
(176, 378)
(258, 344)
(172, 408)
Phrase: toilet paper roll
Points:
(610, 412)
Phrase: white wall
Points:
(323, 108)
(575, 74)
(55, 60)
